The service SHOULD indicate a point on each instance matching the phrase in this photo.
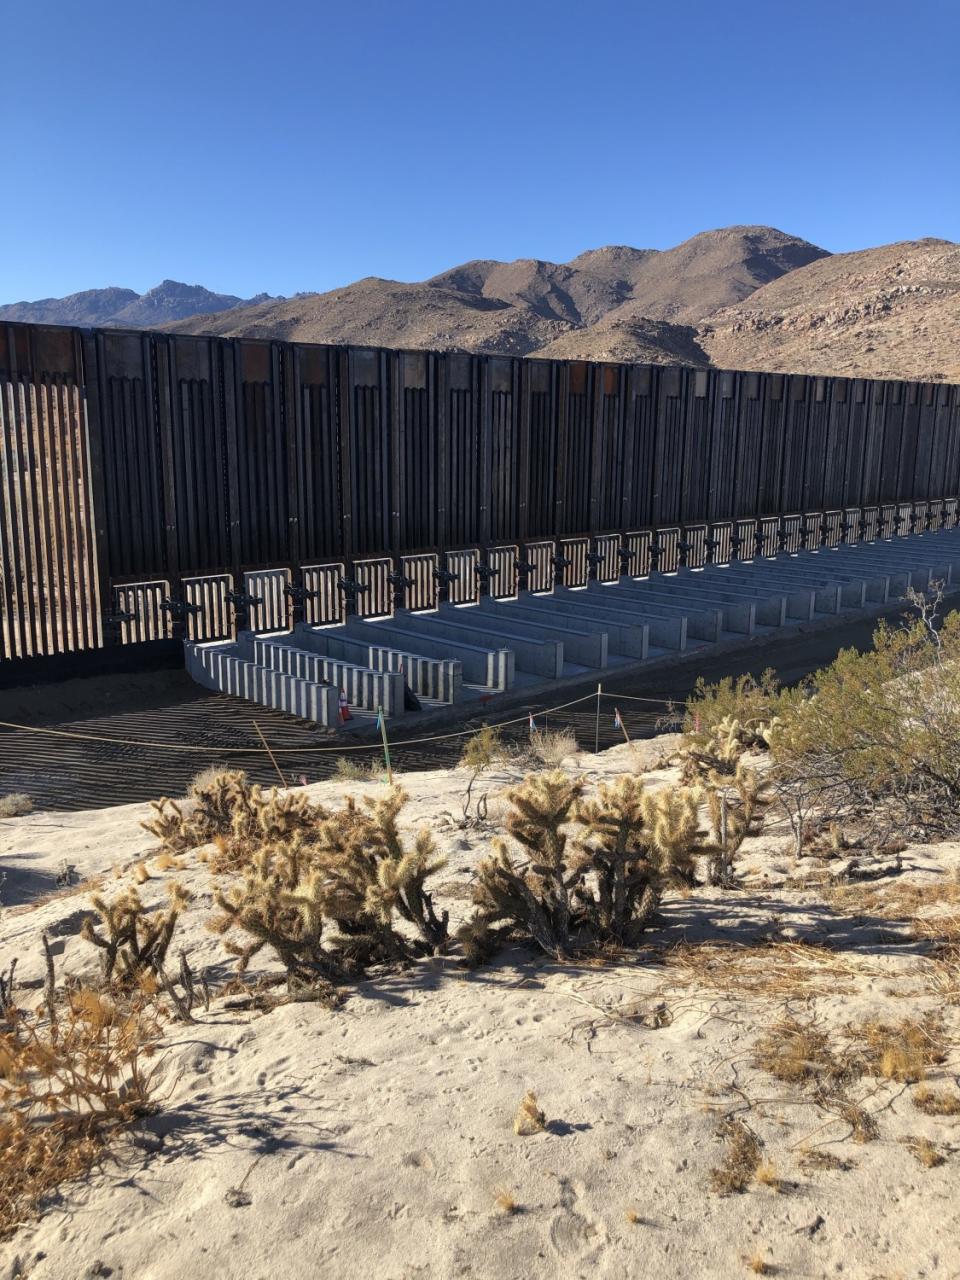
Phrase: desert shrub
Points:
(67, 1085)
(751, 701)
(481, 751)
(328, 902)
(133, 940)
(879, 739)
(15, 805)
(594, 870)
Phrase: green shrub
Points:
(879, 737)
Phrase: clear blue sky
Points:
(282, 145)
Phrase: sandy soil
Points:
(374, 1140)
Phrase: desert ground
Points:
(378, 1138)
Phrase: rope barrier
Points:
(227, 750)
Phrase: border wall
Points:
(157, 486)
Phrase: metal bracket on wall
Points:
(400, 582)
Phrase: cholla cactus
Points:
(602, 885)
(736, 811)
(136, 941)
(619, 849)
(537, 897)
(371, 876)
(287, 917)
(717, 749)
(263, 817)
(327, 899)
(672, 820)
(223, 807)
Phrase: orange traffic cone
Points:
(344, 708)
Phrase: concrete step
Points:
(540, 657)
(222, 667)
(492, 668)
(701, 624)
(586, 646)
(435, 679)
(364, 688)
(632, 640)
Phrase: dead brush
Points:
(741, 1160)
(529, 1118)
(936, 1102)
(901, 1051)
(816, 1159)
(797, 1053)
(924, 1151)
(780, 970)
(67, 1086)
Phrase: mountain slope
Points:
(91, 307)
(124, 308)
(739, 297)
(641, 302)
(890, 312)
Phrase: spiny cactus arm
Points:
(644, 909)
(412, 900)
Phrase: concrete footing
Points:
(456, 653)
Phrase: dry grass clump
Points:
(758, 1264)
(15, 805)
(901, 1051)
(796, 1052)
(741, 1160)
(767, 1176)
(350, 769)
(552, 746)
(504, 1202)
(529, 1118)
(67, 1085)
(924, 1151)
(936, 1102)
(167, 862)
